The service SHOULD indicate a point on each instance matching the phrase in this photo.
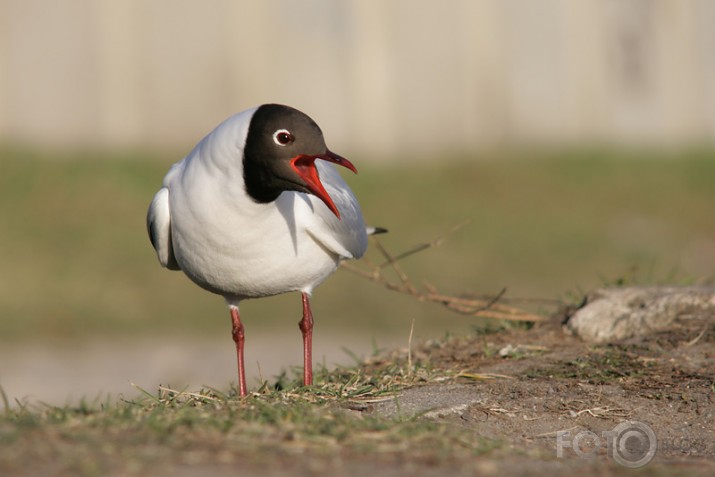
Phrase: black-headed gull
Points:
(257, 209)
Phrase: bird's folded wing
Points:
(347, 236)
(158, 223)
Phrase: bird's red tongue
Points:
(304, 165)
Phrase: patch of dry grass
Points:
(157, 432)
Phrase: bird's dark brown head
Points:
(281, 148)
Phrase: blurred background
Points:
(387, 79)
(576, 136)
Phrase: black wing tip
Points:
(376, 230)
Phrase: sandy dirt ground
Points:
(556, 403)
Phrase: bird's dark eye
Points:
(283, 137)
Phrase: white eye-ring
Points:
(283, 137)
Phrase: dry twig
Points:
(600, 412)
(697, 338)
(486, 307)
(483, 376)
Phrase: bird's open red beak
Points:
(304, 165)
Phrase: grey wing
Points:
(346, 236)
(158, 224)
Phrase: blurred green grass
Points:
(76, 261)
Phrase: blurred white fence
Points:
(382, 77)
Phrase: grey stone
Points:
(431, 401)
(618, 313)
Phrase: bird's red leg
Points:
(306, 327)
(239, 337)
